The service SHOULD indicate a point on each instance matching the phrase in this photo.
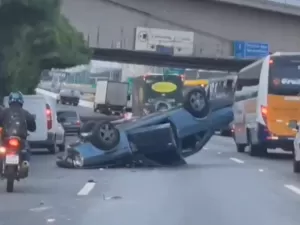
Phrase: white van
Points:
(37, 105)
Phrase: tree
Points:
(35, 36)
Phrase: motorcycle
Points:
(12, 165)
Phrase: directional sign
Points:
(250, 50)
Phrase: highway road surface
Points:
(218, 187)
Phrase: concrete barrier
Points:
(82, 103)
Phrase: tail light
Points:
(2, 150)
(78, 122)
(12, 145)
(49, 117)
(145, 77)
(182, 77)
(264, 112)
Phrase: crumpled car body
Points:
(159, 139)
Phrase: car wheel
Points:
(75, 104)
(105, 136)
(296, 166)
(240, 147)
(52, 148)
(62, 147)
(196, 103)
(258, 150)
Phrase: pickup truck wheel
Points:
(196, 103)
(105, 136)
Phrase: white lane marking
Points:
(237, 160)
(260, 170)
(86, 188)
(292, 188)
(219, 153)
(40, 209)
(50, 220)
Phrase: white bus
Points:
(266, 101)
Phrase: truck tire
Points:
(196, 102)
(105, 136)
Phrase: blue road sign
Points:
(250, 50)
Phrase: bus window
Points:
(284, 76)
(247, 81)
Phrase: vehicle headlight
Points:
(78, 161)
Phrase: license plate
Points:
(12, 159)
(67, 123)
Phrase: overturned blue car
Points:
(159, 139)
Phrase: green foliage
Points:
(35, 36)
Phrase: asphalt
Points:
(218, 186)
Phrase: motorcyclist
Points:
(16, 121)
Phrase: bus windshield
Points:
(284, 76)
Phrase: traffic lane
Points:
(86, 113)
(210, 190)
(277, 162)
(48, 193)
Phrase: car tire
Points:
(196, 103)
(61, 147)
(240, 147)
(52, 148)
(75, 104)
(258, 150)
(105, 136)
(296, 166)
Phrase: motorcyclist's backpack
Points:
(15, 123)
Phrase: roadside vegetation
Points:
(34, 35)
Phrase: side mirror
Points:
(293, 125)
